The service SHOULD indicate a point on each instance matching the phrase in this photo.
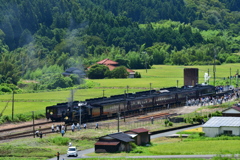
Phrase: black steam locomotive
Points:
(98, 108)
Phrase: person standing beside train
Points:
(73, 127)
(52, 128)
(57, 128)
(62, 132)
(78, 126)
(96, 126)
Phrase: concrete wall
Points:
(211, 132)
(235, 130)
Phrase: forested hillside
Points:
(41, 38)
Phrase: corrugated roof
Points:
(139, 130)
(121, 136)
(223, 121)
(107, 143)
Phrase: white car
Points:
(72, 151)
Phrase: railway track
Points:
(25, 130)
(25, 126)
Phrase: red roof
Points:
(107, 143)
(111, 67)
(129, 70)
(107, 62)
(139, 130)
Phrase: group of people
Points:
(59, 128)
(38, 134)
(210, 100)
(63, 128)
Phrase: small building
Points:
(232, 111)
(222, 125)
(112, 143)
(140, 135)
(73, 70)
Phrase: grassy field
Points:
(28, 102)
(165, 76)
(159, 76)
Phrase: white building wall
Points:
(215, 131)
(235, 130)
(211, 131)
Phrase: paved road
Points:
(81, 154)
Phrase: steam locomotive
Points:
(128, 103)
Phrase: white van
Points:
(72, 151)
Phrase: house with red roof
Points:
(112, 64)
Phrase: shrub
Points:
(59, 140)
(133, 145)
(137, 150)
(5, 89)
(201, 134)
(170, 124)
(166, 122)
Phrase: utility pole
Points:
(237, 76)
(150, 87)
(177, 84)
(80, 114)
(124, 105)
(118, 120)
(33, 124)
(230, 76)
(208, 75)
(12, 104)
(214, 68)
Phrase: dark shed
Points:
(113, 143)
(142, 136)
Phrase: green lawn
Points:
(197, 148)
(166, 76)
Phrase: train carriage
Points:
(96, 108)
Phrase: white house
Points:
(222, 125)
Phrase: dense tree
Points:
(98, 72)
(119, 72)
(38, 34)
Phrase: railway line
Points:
(45, 127)
(25, 130)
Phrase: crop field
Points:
(159, 76)
(27, 102)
